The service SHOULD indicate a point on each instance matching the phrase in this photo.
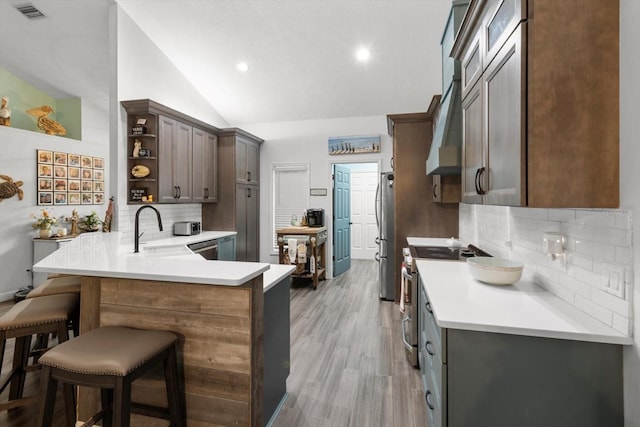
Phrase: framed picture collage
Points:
(69, 179)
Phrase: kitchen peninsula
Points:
(216, 308)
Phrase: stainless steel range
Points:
(413, 283)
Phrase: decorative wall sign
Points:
(317, 191)
(69, 179)
(354, 144)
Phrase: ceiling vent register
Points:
(30, 11)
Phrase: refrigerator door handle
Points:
(378, 206)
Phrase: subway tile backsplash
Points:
(149, 223)
(597, 243)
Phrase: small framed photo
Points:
(98, 186)
(74, 160)
(45, 184)
(45, 171)
(60, 171)
(73, 185)
(60, 198)
(87, 173)
(87, 162)
(73, 172)
(98, 175)
(45, 156)
(73, 198)
(98, 163)
(45, 198)
(87, 186)
(98, 198)
(87, 198)
(60, 158)
(60, 185)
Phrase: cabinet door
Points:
(247, 161)
(183, 153)
(472, 145)
(174, 160)
(504, 100)
(167, 189)
(500, 23)
(247, 222)
(253, 223)
(205, 169)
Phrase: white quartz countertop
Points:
(103, 255)
(459, 301)
(181, 241)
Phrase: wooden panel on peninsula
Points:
(220, 352)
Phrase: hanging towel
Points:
(291, 248)
(403, 287)
(302, 252)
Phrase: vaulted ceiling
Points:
(300, 53)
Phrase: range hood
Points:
(446, 148)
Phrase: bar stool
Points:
(111, 358)
(55, 285)
(45, 315)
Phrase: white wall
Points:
(629, 192)
(595, 236)
(306, 142)
(18, 160)
(145, 72)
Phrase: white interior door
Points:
(363, 216)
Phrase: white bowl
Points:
(497, 271)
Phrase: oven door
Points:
(410, 318)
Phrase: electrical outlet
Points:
(613, 279)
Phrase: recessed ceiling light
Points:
(363, 54)
(242, 67)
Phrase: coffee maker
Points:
(315, 217)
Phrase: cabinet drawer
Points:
(434, 334)
(435, 396)
(499, 23)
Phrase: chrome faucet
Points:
(136, 238)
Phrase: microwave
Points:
(186, 228)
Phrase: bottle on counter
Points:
(304, 219)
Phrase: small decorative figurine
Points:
(10, 188)
(49, 126)
(5, 113)
(137, 144)
(73, 219)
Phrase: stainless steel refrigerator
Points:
(386, 236)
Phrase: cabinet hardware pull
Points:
(249, 176)
(175, 191)
(435, 192)
(426, 397)
(248, 192)
(480, 172)
(392, 165)
(179, 192)
(426, 347)
(476, 180)
(428, 307)
(206, 193)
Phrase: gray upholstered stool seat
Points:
(45, 315)
(110, 358)
(57, 285)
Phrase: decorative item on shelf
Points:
(43, 223)
(73, 219)
(10, 188)
(90, 222)
(5, 112)
(147, 199)
(138, 194)
(108, 217)
(139, 128)
(137, 145)
(47, 125)
(145, 152)
(140, 171)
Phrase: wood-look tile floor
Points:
(347, 363)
